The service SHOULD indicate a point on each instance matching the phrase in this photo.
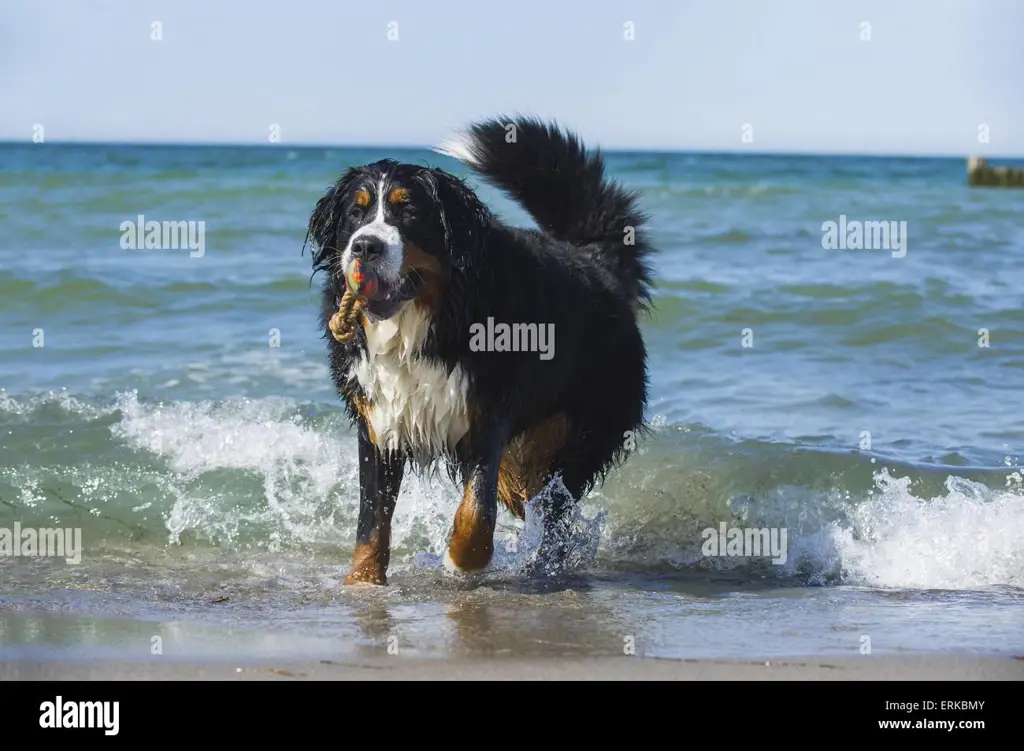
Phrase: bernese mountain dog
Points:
(424, 388)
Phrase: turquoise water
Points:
(175, 405)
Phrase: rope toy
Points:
(360, 284)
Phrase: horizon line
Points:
(414, 147)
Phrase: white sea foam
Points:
(254, 472)
(309, 482)
(970, 537)
(306, 473)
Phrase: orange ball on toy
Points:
(362, 282)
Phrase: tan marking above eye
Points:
(398, 195)
(363, 198)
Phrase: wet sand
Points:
(885, 668)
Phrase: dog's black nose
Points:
(367, 248)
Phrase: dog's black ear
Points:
(326, 219)
(464, 217)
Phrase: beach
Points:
(512, 669)
(841, 411)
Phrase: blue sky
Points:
(696, 71)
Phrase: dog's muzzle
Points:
(389, 296)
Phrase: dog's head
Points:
(414, 227)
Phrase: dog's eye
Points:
(355, 212)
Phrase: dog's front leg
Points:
(380, 478)
(472, 542)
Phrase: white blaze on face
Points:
(389, 265)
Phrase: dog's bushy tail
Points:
(549, 172)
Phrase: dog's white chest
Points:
(415, 404)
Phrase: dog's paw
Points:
(365, 579)
(469, 554)
(454, 568)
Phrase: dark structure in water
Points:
(980, 173)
